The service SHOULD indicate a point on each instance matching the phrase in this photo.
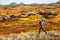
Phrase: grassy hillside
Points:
(19, 24)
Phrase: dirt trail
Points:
(52, 35)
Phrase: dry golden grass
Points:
(29, 23)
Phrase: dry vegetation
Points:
(32, 35)
(26, 18)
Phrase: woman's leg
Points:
(39, 30)
(44, 31)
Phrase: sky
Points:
(27, 1)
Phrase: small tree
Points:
(45, 15)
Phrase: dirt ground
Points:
(52, 35)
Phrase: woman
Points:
(41, 23)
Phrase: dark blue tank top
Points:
(41, 23)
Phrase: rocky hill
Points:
(58, 2)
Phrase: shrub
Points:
(45, 15)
